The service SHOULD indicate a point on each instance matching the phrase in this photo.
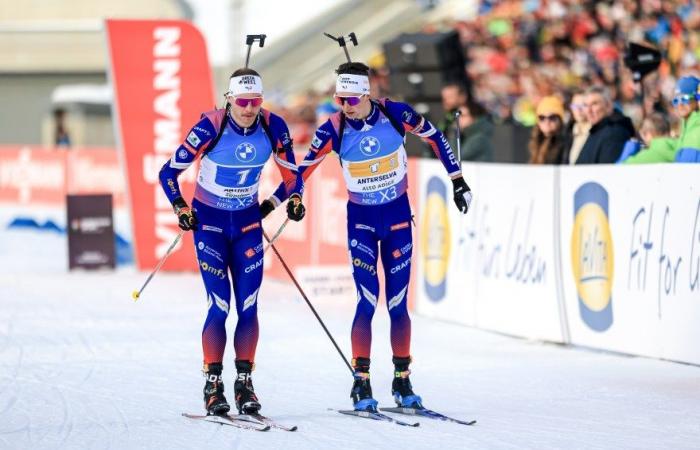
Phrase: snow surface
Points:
(82, 366)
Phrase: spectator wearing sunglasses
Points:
(609, 132)
(368, 137)
(685, 104)
(577, 128)
(233, 145)
(548, 136)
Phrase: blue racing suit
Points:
(228, 240)
(374, 163)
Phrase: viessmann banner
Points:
(162, 82)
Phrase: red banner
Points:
(43, 176)
(162, 83)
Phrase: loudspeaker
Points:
(641, 60)
(412, 85)
(419, 52)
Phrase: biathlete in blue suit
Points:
(368, 137)
(234, 144)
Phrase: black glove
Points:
(266, 207)
(462, 194)
(187, 220)
(295, 209)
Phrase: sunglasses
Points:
(551, 118)
(244, 102)
(682, 99)
(352, 100)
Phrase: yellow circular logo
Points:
(435, 240)
(592, 256)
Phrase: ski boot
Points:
(214, 400)
(401, 387)
(246, 400)
(361, 392)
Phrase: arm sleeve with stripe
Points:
(283, 154)
(420, 126)
(197, 140)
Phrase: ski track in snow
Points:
(83, 366)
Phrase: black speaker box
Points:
(419, 51)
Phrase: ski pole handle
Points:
(458, 136)
(136, 294)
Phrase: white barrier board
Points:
(631, 258)
(496, 267)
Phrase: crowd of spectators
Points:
(557, 66)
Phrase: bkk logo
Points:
(435, 240)
(592, 256)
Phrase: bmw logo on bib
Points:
(369, 145)
(245, 152)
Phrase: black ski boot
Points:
(361, 392)
(401, 387)
(214, 400)
(246, 400)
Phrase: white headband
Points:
(355, 84)
(245, 84)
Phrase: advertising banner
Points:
(496, 267)
(90, 232)
(43, 176)
(162, 82)
(631, 258)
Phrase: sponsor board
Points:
(631, 258)
(495, 267)
(160, 73)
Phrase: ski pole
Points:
(136, 294)
(459, 146)
(289, 272)
(275, 236)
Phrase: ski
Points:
(230, 421)
(376, 416)
(271, 422)
(429, 413)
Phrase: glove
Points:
(187, 220)
(266, 207)
(462, 194)
(295, 209)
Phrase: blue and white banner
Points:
(631, 258)
(496, 267)
(599, 256)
